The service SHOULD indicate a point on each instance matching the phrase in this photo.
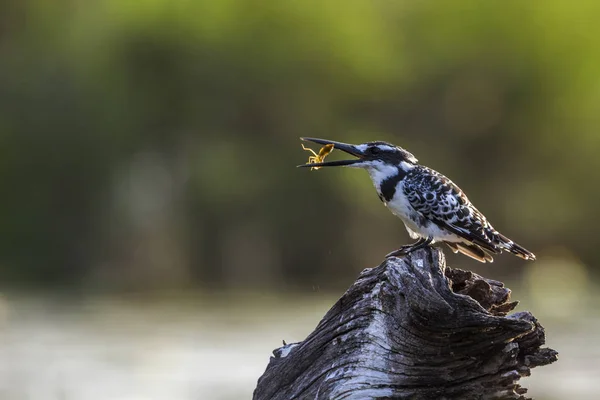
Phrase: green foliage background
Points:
(152, 144)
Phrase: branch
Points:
(412, 328)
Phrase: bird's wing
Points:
(439, 200)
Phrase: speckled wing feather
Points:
(439, 200)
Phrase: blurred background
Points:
(158, 241)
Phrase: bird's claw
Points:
(402, 251)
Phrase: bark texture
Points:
(412, 328)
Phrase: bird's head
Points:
(380, 159)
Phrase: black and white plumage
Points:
(431, 206)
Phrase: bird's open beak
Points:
(348, 148)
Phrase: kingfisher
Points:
(432, 207)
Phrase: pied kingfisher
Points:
(431, 206)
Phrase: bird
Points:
(433, 208)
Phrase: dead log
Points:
(412, 328)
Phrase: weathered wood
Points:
(412, 328)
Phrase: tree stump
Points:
(412, 328)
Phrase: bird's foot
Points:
(402, 251)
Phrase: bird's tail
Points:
(508, 245)
(472, 250)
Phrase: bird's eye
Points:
(375, 150)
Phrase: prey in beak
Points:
(317, 161)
